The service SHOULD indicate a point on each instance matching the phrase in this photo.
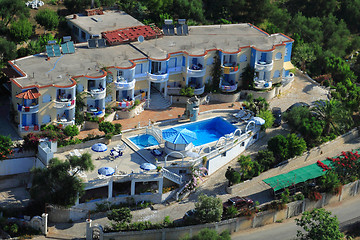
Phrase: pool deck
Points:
(133, 157)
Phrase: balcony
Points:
(262, 84)
(196, 71)
(124, 84)
(264, 66)
(158, 77)
(65, 103)
(199, 91)
(98, 93)
(230, 68)
(29, 128)
(141, 76)
(28, 109)
(288, 78)
(124, 104)
(228, 88)
(63, 123)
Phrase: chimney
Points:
(74, 16)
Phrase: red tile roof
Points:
(29, 94)
(131, 34)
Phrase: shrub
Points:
(285, 196)
(268, 117)
(314, 196)
(249, 168)
(121, 215)
(47, 18)
(266, 159)
(187, 91)
(231, 212)
(208, 209)
(296, 145)
(71, 131)
(106, 127)
(279, 146)
(21, 30)
(31, 142)
(233, 176)
(117, 128)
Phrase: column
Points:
(132, 93)
(149, 90)
(88, 229)
(110, 188)
(165, 90)
(45, 223)
(132, 188)
(161, 183)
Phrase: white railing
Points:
(158, 77)
(230, 69)
(262, 84)
(199, 91)
(62, 124)
(228, 88)
(68, 104)
(196, 73)
(155, 132)
(180, 191)
(124, 84)
(264, 66)
(29, 109)
(97, 94)
(289, 78)
(173, 90)
(31, 128)
(172, 176)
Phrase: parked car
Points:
(189, 216)
(238, 202)
(298, 104)
(276, 111)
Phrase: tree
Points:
(216, 72)
(334, 115)
(339, 69)
(266, 159)
(330, 182)
(279, 146)
(47, 18)
(83, 163)
(233, 176)
(71, 131)
(248, 77)
(8, 50)
(21, 30)
(295, 117)
(268, 117)
(11, 8)
(303, 54)
(311, 129)
(106, 127)
(75, 6)
(208, 209)
(120, 215)
(348, 93)
(209, 234)
(55, 184)
(296, 145)
(6, 146)
(346, 166)
(249, 168)
(319, 225)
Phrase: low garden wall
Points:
(306, 156)
(225, 98)
(242, 223)
(18, 165)
(88, 143)
(126, 114)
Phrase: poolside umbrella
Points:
(178, 135)
(147, 166)
(99, 147)
(107, 171)
(258, 120)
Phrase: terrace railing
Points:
(172, 176)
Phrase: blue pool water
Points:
(143, 141)
(207, 131)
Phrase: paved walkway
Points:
(302, 90)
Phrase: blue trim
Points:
(288, 49)
(183, 62)
(252, 58)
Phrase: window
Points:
(255, 137)
(243, 58)
(119, 73)
(278, 56)
(242, 144)
(83, 35)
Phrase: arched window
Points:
(278, 56)
(46, 98)
(276, 74)
(243, 58)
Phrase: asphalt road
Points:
(287, 230)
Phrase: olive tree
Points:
(208, 209)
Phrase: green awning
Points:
(296, 176)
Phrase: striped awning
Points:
(288, 65)
(29, 94)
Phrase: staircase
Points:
(157, 100)
(172, 176)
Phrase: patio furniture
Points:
(147, 166)
(247, 117)
(156, 152)
(99, 147)
(106, 171)
(239, 114)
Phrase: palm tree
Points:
(334, 114)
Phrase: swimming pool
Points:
(144, 140)
(207, 131)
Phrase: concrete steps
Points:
(158, 102)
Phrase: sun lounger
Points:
(247, 117)
(77, 153)
(121, 147)
(239, 114)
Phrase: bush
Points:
(121, 215)
(106, 127)
(187, 91)
(279, 146)
(117, 128)
(47, 18)
(208, 209)
(233, 176)
(266, 159)
(296, 145)
(21, 30)
(31, 142)
(71, 131)
(249, 168)
(268, 117)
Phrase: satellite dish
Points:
(140, 38)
